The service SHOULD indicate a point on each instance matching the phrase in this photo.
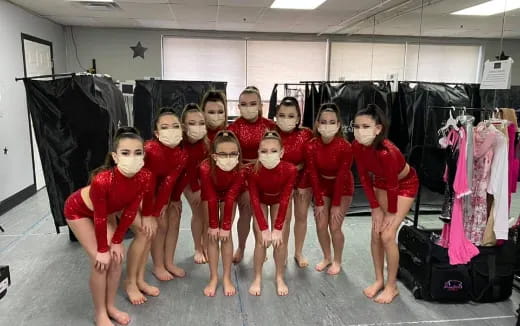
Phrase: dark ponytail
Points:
(162, 112)
(125, 132)
(328, 107)
(291, 101)
(375, 112)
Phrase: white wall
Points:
(16, 171)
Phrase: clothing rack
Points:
(436, 83)
(344, 81)
(421, 163)
(70, 74)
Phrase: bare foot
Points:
(175, 270)
(256, 287)
(103, 320)
(134, 295)
(388, 295)
(148, 289)
(320, 267)
(238, 256)
(301, 261)
(211, 288)
(162, 274)
(334, 269)
(281, 287)
(120, 317)
(229, 288)
(371, 291)
(199, 257)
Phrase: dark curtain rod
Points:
(435, 83)
(46, 76)
(459, 108)
(344, 81)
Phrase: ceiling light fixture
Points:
(297, 4)
(489, 8)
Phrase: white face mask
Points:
(130, 165)
(215, 120)
(365, 136)
(227, 163)
(196, 132)
(328, 130)
(249, 112)
(269, 160)
(286, 124)
(170, 137)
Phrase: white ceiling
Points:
(392, 17)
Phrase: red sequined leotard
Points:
(219, 185)
(294, 149)
(329, 169)
(111, 192)
(167, 165)
(212, 133)
(197, 152)
(250, 135)
(385, 164)
(271, 187)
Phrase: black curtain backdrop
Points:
(74, 119)
(151, 95)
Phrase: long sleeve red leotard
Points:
(294, 149)
(250, 134)
(212, 133)
(219, 185)
(167, 165)
(386, 163)
(110, 192)
(197, 152)
(272, 187)
(332, 160)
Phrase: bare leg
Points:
(301, 210)
(144, 286)
(259, 258)
(213, 250)
(286, 231)
(243, 225)
(378, 252)
(322, 228)
(174, 222)
(84, 231)
(388, 236)
(338, 238)
(280, 253)
(197, 223)
(158, 249)
(135, 253)
(226, 248)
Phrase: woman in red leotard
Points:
(223, 180)
(249, 129)
(196, 145)
(390, 185)
(121, 185)
(214, 106)
(271, 184)
(294, 139)
(329, 159)
(166, 159)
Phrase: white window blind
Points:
(270, 62)
(443, 63)
(353, 61)
(207, 60)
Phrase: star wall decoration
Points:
(138, 50)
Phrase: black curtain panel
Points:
(73, 122)
(501, 98)
(273, 101)
(151, 95)
(312, 104)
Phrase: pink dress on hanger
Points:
(484, 141)
(460, 249)
(514, 162)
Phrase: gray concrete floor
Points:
(50, 284)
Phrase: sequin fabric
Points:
(250, 134)
(294, 149)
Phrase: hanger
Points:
(451, 122)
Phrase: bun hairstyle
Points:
(224, 136)
(121, 133)
(328, 107)
(291, 101)
(375, 112)
(162, 112)
(215, 96)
